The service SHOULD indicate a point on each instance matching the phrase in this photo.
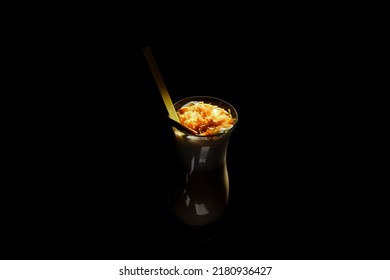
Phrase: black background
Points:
(91, 155)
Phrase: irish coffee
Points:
(202, 192)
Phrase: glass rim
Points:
(214, 101)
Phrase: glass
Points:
(201, 193)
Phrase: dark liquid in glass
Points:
(203, 196)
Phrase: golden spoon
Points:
(172, 115)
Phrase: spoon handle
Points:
(178, 125)
(160, 83)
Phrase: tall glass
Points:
(202, 190)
